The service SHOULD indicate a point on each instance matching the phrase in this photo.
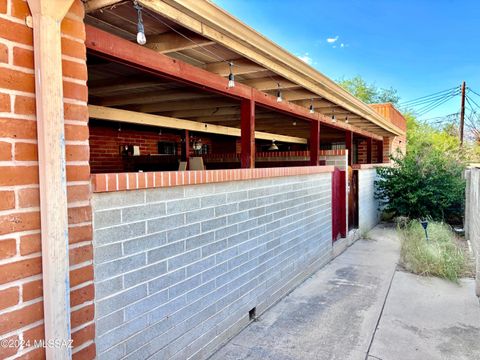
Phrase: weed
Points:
(440, 256)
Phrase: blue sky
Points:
(417, 47)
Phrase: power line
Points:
(428, 97)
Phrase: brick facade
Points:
(21, 306)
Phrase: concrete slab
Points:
(428, 318)
(332, 315)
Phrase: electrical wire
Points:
(426, 109)
(428, 97)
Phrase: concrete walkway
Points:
(335, 313)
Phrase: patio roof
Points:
(203, 35)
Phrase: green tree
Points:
(369, 93)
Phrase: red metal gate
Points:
(339, 220)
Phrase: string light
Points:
(346, 119)
(279, 94)
(334, 120)
(312, 110)
(231, 77)
(141, 39)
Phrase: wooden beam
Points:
(153, 97)
(247, 156)
(47, 16)
(105, 86)
(93, 5)
(118, 115)
(240, 67)
(294, 95)
(172, 42)
(167, 108)
(269, 83)
(314, 142)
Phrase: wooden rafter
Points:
(240, 66)
(171, 42)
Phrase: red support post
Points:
(369, 150)
(247, 115)
(186, 146)
(314, 142)
(380, 152)
(349, 146)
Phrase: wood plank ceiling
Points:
(115, 85)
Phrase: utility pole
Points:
(462, 114)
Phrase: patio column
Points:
(247, 116)
(47, 16)
(369, 150)
(349, 145)
(380, 151)
(314, 142)
(186, 146)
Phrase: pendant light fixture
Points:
(279, 94)
(273, 147)
(141, 39)
(231, 77)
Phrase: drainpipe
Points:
(47, 16)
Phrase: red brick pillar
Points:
(247, 114)
(20, 245)
(369, 150)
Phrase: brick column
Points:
(21, 272)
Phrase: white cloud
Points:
(331, 40)
(306, 58)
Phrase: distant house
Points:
(182, 186)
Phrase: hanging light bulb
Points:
(231, 77)
(273, 147)
(334, 120)
(141, 39)
(312, 110)
(346, 119)
(279, 94)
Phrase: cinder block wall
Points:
(368, 214)
(472, 218)
(21, 297)
(178, 269)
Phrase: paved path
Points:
(335, 313)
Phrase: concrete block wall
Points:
(472, 218)
(178, 269)
(339, 161)
(368, 214)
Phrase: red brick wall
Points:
(362, 151)
(391, 144)
(106, 139)
(21, 306)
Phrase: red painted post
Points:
(369, 150)
(247, 115)
(186, 146)
(314, 142)
(349, 145)
(380, 152)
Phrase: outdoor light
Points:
(231, 77)
(273, 147)
(294, 123)
(346, 119)
(311, 107)
(141, 39)
(334, 120)
(425, 225)
(279, 94)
